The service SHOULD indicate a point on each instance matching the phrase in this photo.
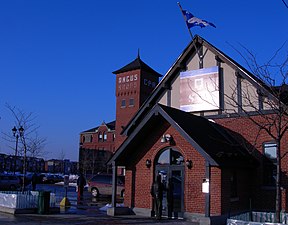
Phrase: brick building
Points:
(191, 133)
(134, 83)
(96, 147)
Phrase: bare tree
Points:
(30, 141)
(268, 97)
(263, 102)
(84, 160)
(26, 132)
(62, 157)
(285, 3)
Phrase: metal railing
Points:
(256, 218)
(22, 200)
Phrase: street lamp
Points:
(16, 135)
(19, 133)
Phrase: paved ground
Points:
(87, 215)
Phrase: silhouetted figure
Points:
(157, 194)
(170, 199)
(34, 181)
(81, 182)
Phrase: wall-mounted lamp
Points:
(167, 138)
(148, 163)
(189, 163)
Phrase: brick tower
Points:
(134, 83)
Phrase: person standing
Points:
(157, 194)
(81, 182)
(34, 181)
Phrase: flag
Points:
(193, 21)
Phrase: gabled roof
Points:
(178, 66)
(110, 125)
(137, 64)
(212, 141)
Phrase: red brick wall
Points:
(263, 197)
(128, 188)
(136, 84)
(240, 202)
(126, 89)
(215, 191)
(194, 199)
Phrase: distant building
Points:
(96, 147)
(61, 166)
(11, 163)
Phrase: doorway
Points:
(170, 165)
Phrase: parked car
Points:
(52, 179)
(9, 182)
(101, 184)
(39, 178)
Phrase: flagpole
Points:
(191, 35)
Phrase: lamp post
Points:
(14, 130)
(19, 133)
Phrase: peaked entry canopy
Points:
(214, 142)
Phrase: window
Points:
(105, 136)
(270, 161)
(91, 138)
(123, 103)
(99, 136)
(131, 102)
(170, 157)
(270, 150)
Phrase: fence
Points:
(256, 218)
(22, 200)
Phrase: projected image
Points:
(199, 90)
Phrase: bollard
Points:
(43, 202)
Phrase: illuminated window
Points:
(99, 136)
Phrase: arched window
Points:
(170, 157)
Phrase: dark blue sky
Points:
(57, 56)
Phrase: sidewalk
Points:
(86, 215)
